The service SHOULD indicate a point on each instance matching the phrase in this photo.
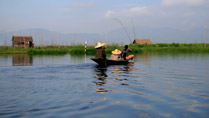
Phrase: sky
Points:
(100, 16)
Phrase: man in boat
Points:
(100, 51)
(125, 55)
(115, 54)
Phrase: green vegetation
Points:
(136, 48)
(47, 51)
(10, 50)
(173, 47)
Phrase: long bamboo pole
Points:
(106, 39)
(205, 35)
(120, 22)
(132, 22)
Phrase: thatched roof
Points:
(22, 38)
(142, 41)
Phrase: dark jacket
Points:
(100, 53)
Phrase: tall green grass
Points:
(173, 47)
(47, 51)
(136, 48)
(10, 50)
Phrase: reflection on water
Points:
(154, 86)
(172, 85)
(143, 58)
(206, 63)
(36, 60)
(117, 74)
(100, 75)
(22, 60)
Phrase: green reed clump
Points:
(136, 48)
(10, 50)
(159, 45)
(110, 48)
(76, 51)
(91, 49)
(79, 49)
(173, 47)
(41, 51)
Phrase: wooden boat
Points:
(106, 62)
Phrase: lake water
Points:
(65, 86)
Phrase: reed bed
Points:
(136, 48)
(47, 51)
(10, 50)
(173, 47)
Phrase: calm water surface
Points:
(65, 86)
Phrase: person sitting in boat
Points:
(100, 51)
(125, 55)
(115, 54)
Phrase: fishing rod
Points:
(120, 22)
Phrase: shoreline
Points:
(136, 49)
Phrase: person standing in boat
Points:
(100, 51)
(115, 54)
(125, 52)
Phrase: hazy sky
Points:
(97, 16)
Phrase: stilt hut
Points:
(142, 41)
(22, 41)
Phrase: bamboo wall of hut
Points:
(22, 41)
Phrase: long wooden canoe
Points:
(106, 62)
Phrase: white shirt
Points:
(114, 57)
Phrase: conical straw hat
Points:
(116, 51)
(99, 44)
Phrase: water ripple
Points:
(154, 87)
